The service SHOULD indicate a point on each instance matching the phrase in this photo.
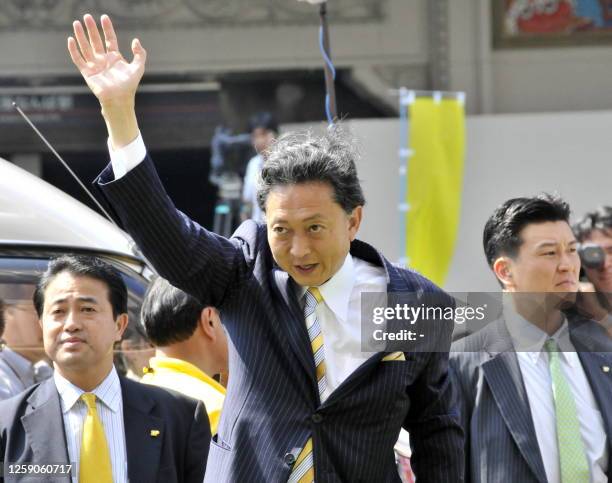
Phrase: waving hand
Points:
(109, 76)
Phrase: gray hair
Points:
(303, 157)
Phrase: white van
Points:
(38, 222)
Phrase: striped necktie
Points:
(94, 461)
(303, 469)
(572, 455)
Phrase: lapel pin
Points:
(154, 433)
(605, 368)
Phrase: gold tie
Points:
(95, 463)
(303, 469)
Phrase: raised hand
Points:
(109, 76)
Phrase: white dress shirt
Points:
(109, 404)
(528, 341)
(339, 316)
(128, 157)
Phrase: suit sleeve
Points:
(197, 446)
(433, 421)
(190, 257)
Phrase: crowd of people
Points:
(258, 372)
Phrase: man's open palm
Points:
(109, 76)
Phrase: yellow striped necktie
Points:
(303, 469)
(94, 462)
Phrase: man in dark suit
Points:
(108, 428)
(304, 403)
(535, 383)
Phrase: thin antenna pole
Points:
(330, 72)
(40, 135)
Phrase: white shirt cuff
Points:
(128, 157)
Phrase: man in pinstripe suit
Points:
(303, 402)
(536, 383)
(109, 428)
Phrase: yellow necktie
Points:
(95, 463)
(303, 469)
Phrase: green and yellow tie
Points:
(572, 455)
(303, 469)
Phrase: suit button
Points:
(317, 418)
(289, 459)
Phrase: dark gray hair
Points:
(600, 220)
(168, 314)
(303, 157)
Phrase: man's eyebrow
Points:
(91, 300)
(314, 217)
(305, 220)
(83, 298)
(546, 244)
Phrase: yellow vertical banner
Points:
(434, 185)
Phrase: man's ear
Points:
(206, 322)
(354, 220)
(121, 324)
(502, 267)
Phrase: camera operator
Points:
(594, 232)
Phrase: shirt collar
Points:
(22, 367)
(529, 339)
(170, 364)
(109, 391)
(336, 292)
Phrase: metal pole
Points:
(329, 76)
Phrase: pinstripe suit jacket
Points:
(501, 443)
(272, 404)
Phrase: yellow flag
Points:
(435, 180)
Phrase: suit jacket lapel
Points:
(43, 418)
(142, 446)
(353, 380)
(503, 375)
(294, 325)
(595, 359)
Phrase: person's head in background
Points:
(532, 251)
(596, 228)
(22, 332)
(180, 327)
(82, 305)
(134, 352)
(263, 128)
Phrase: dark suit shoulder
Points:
(467, 356)
(166, 399)
(588, 335)
(253, 239)
(475, 342)
(422, 282)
